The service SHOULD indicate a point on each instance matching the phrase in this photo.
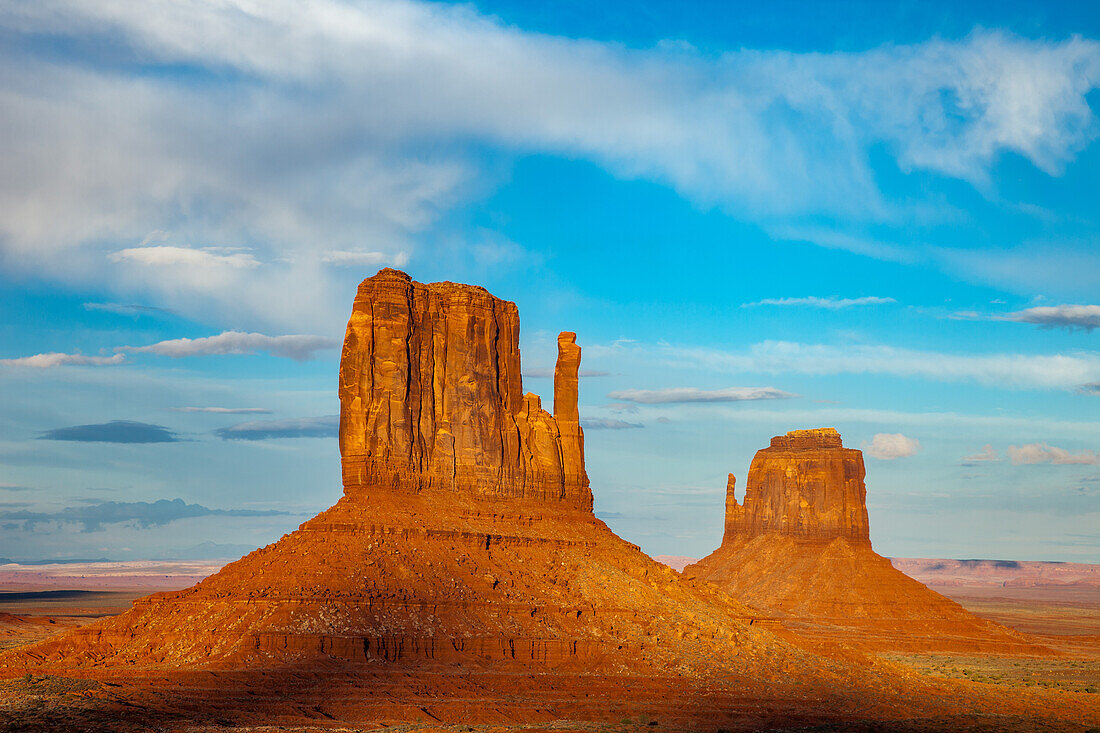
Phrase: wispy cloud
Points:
(1055, 371)
(987, 454)
(891, 446)
(346, 258)
(1093, 388)
(1085, 317)
(392, 99)
(163, 255)
(297, 347)
(605, 423)
(1044, 453)
(116, 431)
(826, 303)
(327, 426)
(95, 515)
(126, 309)
(55, 359)
(225, 410)
(672, 395)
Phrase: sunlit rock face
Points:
(806, 485)
(431, 398)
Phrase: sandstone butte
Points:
(799, 550)
(463, 577)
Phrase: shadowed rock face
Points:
(807, 485)
(431, 397)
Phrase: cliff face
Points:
(431, 398)
(805, 485)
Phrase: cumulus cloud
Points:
(988, 453)
(327, 426)
(225, 410)
(55, 359)
(674, 395)
(889, 446)
(827, 303)
(116, 431)
(1044, 453)
(605, 423)
(297, 347)
(1086, 317)
(1093, 388)
(1054, 371)
(389, 101)
(139, 513)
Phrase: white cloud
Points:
(1086, 317)
(55, 359)
(827, 303)
(300, 347)
(161, 256)
(342, 258)
(1053, 371)
(889, 446)
(326, 426)
(330, 124)
(1043, 453)
(674, 395)
(988, 453)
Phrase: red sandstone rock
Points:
(806, 484)
(431, 397)
(465, 535)
(799, 549)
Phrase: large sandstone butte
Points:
(463, 578)
(798, 549)
(465, 536)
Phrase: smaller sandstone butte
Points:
(805, 485)
(798, 548)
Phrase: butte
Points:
(463, 578)
(799, 550)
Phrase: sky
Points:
(756, 217)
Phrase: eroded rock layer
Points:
(798, 549)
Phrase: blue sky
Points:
(756, 218)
